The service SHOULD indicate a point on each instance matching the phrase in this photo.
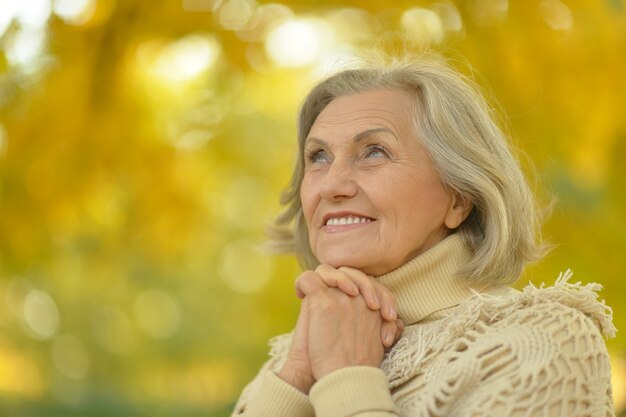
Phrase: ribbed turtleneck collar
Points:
(427, 285)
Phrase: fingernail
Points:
(391, 312)
(388, 338)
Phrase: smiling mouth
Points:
(339, 221)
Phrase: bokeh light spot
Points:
(488, 12)
(299, 42)
(200, 5)
(31, 13)
(335, 61)
(423, 25)
(41, 314)
(265, 18)
(70, 356)
(234, 14)
(158, 313)
(74, 12)
(192, 139)
(450, 16)
(187, 58)
(26, 46)
(7, 14)
(556, 15)
(243, 268)
(354, 26)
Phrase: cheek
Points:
(435, 209)
(424, 202)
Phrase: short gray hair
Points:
(471, 153)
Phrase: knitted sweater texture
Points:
(465, 351)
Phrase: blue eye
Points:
(317, 157)
(376, 152)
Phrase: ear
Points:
(460, 207)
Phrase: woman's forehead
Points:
(377, 109)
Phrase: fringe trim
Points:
(412, 352)
(583, 298)
(279, 345)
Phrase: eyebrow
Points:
(370, 132)
(359, 136)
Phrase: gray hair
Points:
(471, 153)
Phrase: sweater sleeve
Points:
(267, 395)
(354, 391)
(272, 397)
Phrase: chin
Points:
(337, 260)
(362, 263)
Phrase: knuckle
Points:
(342, 276)
(308, 282)
(305, 276)
(298, 281)
(353, 273)
(327, 274)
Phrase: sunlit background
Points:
(143, 145)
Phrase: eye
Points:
(317, 156)
(376, 151)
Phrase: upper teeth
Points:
(347, 220)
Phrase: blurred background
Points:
(143, 146)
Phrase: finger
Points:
(388, 331)
(333, 277)
(307, 283)
(385, 300)
(366, 286)
(399, 330)
(388, 307)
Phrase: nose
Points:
(338, 182)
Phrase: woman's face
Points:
(371, 196)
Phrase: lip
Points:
(344, 214)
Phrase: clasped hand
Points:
(346, 319)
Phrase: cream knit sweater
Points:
(464, 352)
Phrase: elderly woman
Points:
(412, 218)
